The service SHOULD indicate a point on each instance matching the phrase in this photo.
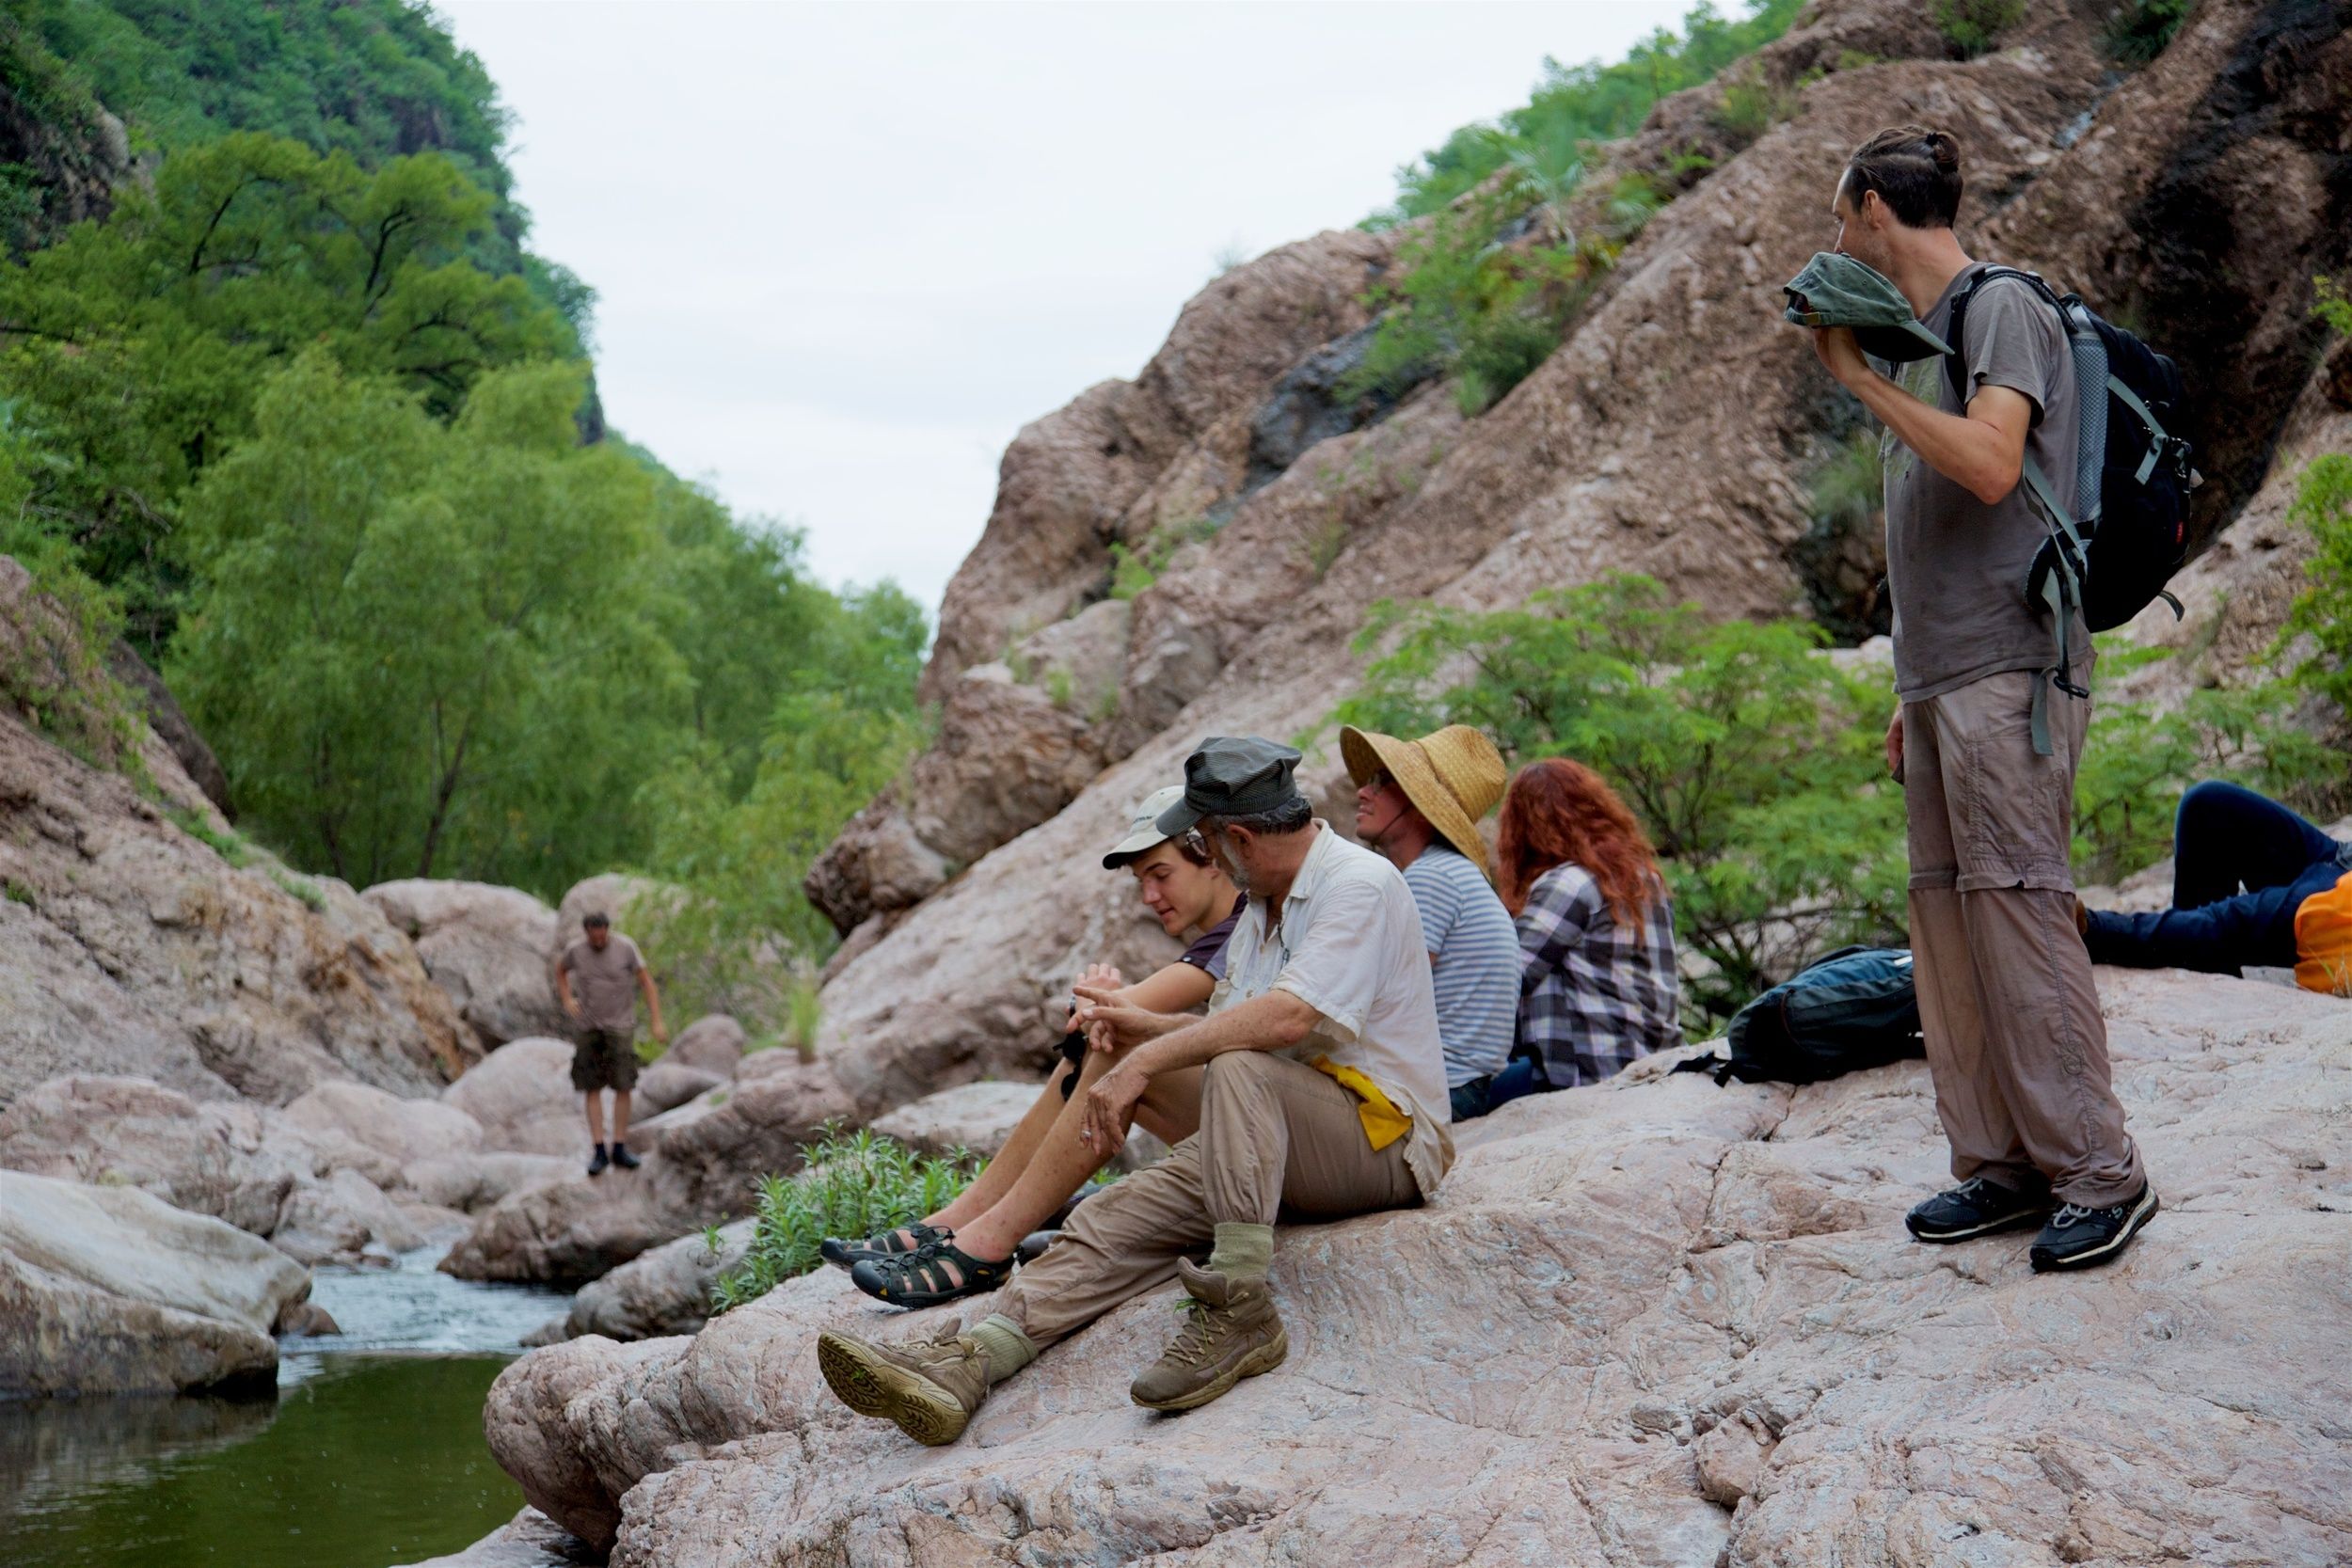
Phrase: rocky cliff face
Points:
(1672, 433)
(129, 945)
(1650, 1321)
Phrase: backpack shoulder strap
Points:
(1956, 363)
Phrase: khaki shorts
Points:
(604, 1060)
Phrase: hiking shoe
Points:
(930, 1388)
(597, 1165)
(1974, 1207)
(2080, 1237)
(845, 1251)
(623, 1158)
(1231, 1332)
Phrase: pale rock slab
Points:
(521, 1097)
(487, 946)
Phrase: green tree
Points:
(430, 649)
(135, 344)
(1753, 761)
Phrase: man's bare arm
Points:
(564, 993)
(1267, 1022)
(653, 1002)
(1983, 451)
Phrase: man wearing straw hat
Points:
(1418, 803)
(1321, 1095)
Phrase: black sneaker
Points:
(623, 1158)
(2080, 1237)
(595, 1166)
(1974, 1207)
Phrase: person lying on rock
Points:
(610, 972)
(1418, 803)
(969, 1246)
(2252, 885)
(1322, 1095)
(1986, 751)
(1598, 984)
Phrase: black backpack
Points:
(1853, 1009)
(2132, 481)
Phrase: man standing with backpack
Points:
(1984, 746)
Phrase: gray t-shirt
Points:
(605, 984)
(1956, 567)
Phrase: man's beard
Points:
(1225, 862)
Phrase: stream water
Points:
(370, 1455)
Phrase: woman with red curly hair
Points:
(1598, 985)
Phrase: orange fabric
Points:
(2323, 940)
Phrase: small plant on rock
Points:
(857, 1185)
(1969, 26)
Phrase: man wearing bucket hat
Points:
(1418, 803)
(1323, 1095)
(2016, 1041)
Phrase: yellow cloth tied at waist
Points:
(1383, 1122)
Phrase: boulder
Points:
(618, 895)
(667, 1290)
(713, 1044)
(471, 1182)
(977, 1117)
(400, 1130)
(564, 1232)
(487, 946)
(521, 1096)
(111, 1290)
(1697, 1303)
(667, 1084)
(310, 1186)
(529, 1540)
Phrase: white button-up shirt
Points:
(1349, 945)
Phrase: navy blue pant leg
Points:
(2225, 837)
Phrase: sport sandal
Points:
(922, 1278)
(837, 1249)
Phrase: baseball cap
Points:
(1144, 831)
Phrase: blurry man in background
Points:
(598, 980)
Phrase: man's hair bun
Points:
(1914, 169)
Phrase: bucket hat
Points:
(1454, 778)
(1144, 831)
(1233, 776)
(1835, 289)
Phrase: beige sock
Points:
(1009, 1349)
(1243, 1251)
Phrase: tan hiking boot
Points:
(1231, 1332)
(930, 1388)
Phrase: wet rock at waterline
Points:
(112, 1291)
(667, 1290)
(1651, 1321)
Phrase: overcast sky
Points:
(845, 251)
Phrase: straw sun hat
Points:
(1453, 777)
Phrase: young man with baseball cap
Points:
(1418, 803)
(968, 1246)
(1323, 1094)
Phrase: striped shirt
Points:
(1475, 961)
(1595, 994)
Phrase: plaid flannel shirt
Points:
(1593, 994)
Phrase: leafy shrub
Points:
(2138, 761)
(228, 845)
(2139, 29)
(20, 892)
(1969, 26)
(854, 1185)
(301, 888)
(2331, 305)
(2323, 612)
(1588, 102)
(1752, 105)
(1137, 567)
(1755, 763)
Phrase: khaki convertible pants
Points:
(2016, 1042)
(1275, 1135)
